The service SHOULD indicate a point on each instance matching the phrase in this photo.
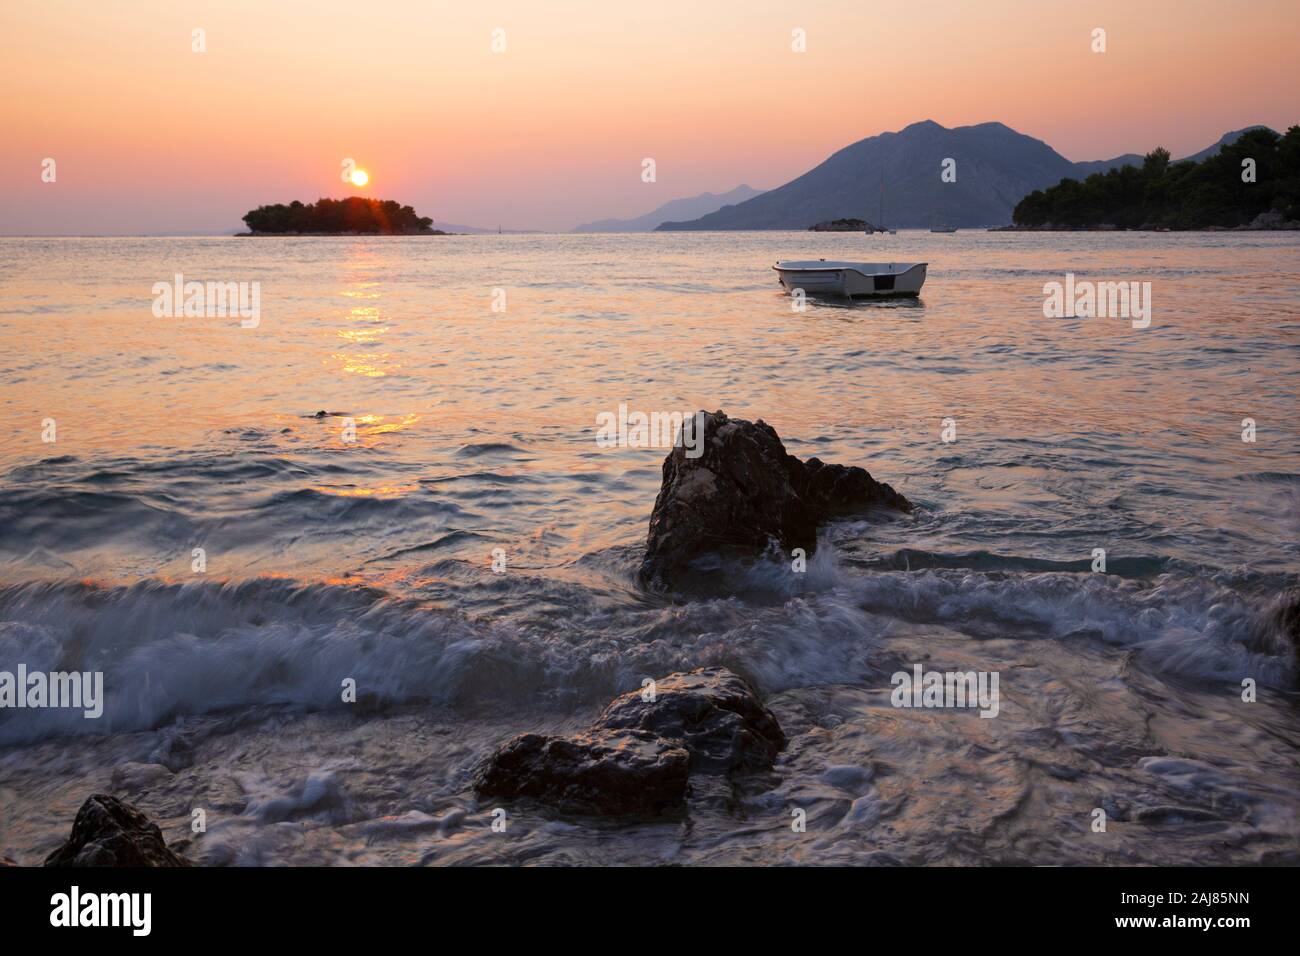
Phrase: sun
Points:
(360, 177)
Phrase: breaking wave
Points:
(170, 649)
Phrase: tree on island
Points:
(1183, 195)
(351, 215)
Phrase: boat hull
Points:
(856, 280)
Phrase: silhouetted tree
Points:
(354, 214)
(1178, 195)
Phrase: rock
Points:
(1276, 629)
(600, 772)
(109, 832)
(637, 755)
(174, 751)
(844, 225)
(1267, 220)
(711, 712)
(744, 492)
(847, 777)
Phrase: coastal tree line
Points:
(1217, 191)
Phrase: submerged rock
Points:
(742, 493)
(110, 832)
(1276, 629)
(600, 772)
(637, 755)
(711, 712)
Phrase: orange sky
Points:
(152, 137)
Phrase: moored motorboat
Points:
(823, 277)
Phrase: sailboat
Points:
(880, 222)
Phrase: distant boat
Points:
(944, 229)
(871, 229)
(880, 279)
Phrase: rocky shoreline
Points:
(688, 735)
(650, 748)
(1264, 222)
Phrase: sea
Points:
(329, 551)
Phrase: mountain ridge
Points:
(688, 207)
(996, 167)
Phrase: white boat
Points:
(820, 277)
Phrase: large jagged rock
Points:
(711, 712)
(600, 772)
(110, 832)
(636, 756)
(744, 492)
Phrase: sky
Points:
(149, 136)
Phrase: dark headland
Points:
(1252, 183)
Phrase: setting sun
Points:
(360, 177)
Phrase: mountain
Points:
(690, 208)
(996, 167)
(1227, 139)
(1133, 159)
(1085, 169)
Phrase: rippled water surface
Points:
(476, 431)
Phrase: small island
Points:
(1253, 183)
(844, 225)
(353, 216)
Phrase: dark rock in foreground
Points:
(745, 491)
(713, 713)
(637, 755)
(628, 772)
(109, 832)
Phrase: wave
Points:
(169, 650)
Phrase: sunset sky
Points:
(150, 137)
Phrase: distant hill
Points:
(1227, 139)
(1086, 169)
(996, 167)
(689, 208)
(1106, 165)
